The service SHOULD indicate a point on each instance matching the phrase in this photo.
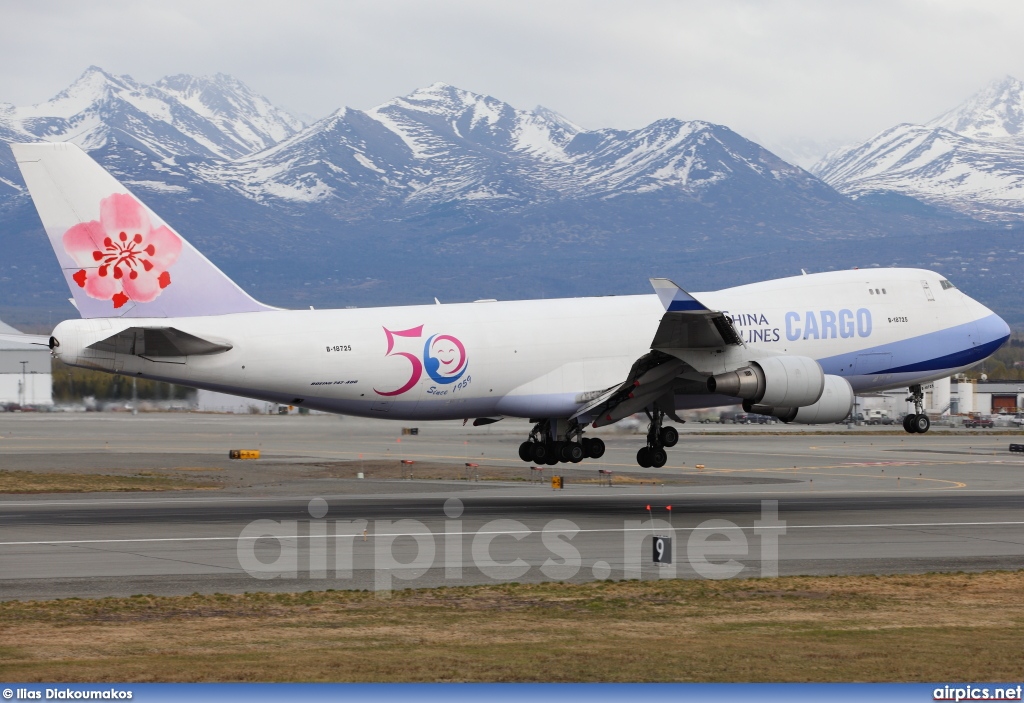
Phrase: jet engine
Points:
(834, 405)
(775, 382)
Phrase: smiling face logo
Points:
(444, 358)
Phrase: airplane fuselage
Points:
(878, 328)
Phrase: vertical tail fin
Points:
(119, 258)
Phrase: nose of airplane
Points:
(1004, 329)
(992, 329)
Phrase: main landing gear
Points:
(917, 422)
(555, 441)
(659, 436)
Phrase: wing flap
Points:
(650, 377)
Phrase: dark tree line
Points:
(1007, 364)
(71, 384)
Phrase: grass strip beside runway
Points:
(932, 627)
(60, 482)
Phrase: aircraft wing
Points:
(688, 323)
(159, 342)
(654, 377)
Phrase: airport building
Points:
(213, 402)
(26, 377)
(952, 397)
(988, 397)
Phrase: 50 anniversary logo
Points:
(444, 358)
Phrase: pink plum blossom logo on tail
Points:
(123, 257)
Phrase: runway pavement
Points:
(851, 502)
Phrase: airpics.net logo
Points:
(501, 549)
(972, 692)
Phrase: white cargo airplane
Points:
(796, 348)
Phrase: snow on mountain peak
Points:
(981, 178)
(995, 112)
(247, 118)
(94, 86)
(551, 117)
(177, 116)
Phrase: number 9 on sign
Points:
(662, 549)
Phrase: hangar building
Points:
(26, 377)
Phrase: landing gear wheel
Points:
(643, 457)
(575, 452)
(562, 451)
(526, 451)
(594, 448)
(658, 457)
(669, 436)
(552, 459)
(917, 422)
(541, 452)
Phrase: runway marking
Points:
(149, 540)
(680, 492)
(818, 471)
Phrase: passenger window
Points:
(871, 291)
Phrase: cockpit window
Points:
(946, 285)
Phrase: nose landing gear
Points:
(917, 422)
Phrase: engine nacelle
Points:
(835, 404)
(775, 382)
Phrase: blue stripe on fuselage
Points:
(950, 348)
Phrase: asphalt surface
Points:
(787, 503)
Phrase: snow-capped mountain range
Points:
(179, 116)
(176, 116)
(442, 144)
(445, 192)
(437, 145)
(969, 160)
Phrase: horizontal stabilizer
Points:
(159, 342)
(38, 339)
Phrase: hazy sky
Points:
(776, 71)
